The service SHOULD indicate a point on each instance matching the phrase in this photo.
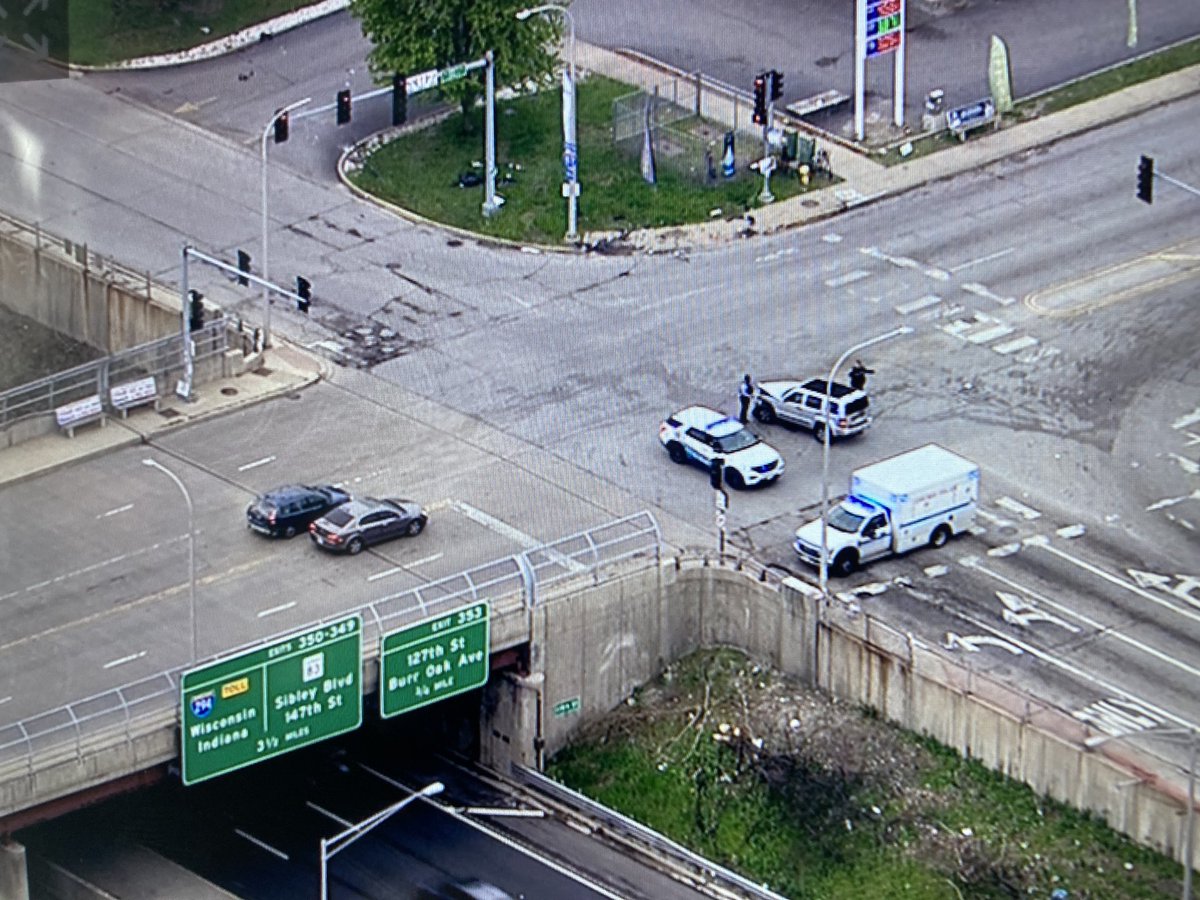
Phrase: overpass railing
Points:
(133, 709)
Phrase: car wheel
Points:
(940, 536)
(415, 527)
(355, 546)
(734, 478)
(819, 432)
(844, 563)
(764, 413)
(676, 452)
(289, 531)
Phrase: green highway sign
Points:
(566, 707)
(452, 73)
(434, 659)
(281, 697)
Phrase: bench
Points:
(963, 119)
(81, 412)
(124, 397)
(816, 103)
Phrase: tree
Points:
(412, 36)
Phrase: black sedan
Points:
(286, 510)
(365, 520)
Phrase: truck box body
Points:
(922, 482)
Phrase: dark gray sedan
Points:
(364, 521)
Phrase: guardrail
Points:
(131, 709)
(159, 359)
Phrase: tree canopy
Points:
(412, 36)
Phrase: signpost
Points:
(878, 29)
(434, 659)
(278, 698)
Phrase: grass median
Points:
(420, 171)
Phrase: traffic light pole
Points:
(266, 296)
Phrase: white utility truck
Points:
(922, 497)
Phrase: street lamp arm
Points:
(344, 839)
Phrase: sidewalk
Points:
(286, 368)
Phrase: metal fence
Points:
(162, 359)
(153, 702)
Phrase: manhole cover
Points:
(229, 391)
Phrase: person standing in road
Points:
(745, 395)
(858, 375)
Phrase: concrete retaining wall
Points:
(69, 289)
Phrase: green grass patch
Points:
(419, 171)
(107, 31)
(819, 800)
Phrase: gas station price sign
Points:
(884, 20)
(286, 695)
(434, 659)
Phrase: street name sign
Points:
(286, 695)
(434, 659)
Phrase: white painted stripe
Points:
(323, 811)
(385, 573)
(276, 609)
(1016, 344)
(980, 290)
(1071, 531)
(1171, 501)
(433, 557)
(832, 238)
(515, 535)
(1189, 419)
(124, 659)
(958, 328)
(517, 299)
(1190, 466)
(936, 571)
(1018, 508)
(4, 700)
(256, 463)
(981, 259)
(252, 839)
(1006, 550)
(935, 273)
(848, 278)
(989, 334)
(112, 512)
(913, 305)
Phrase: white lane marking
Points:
(263, 844)
(848, 278)
(1106, 631)
(1016, 344)
(994, 519)
(979, 290)
(832, 238)
(936, 571)
(112, 664)
(990, 334)
(276, 609)
(439, 505)
(982, 259)
(517, 299)
(112, 512)
(1192, 439)
(1018, 508)
(913, 305)
(778, 254)
(433, 557)
(1190, 466)
(1171, 501)
(385, 573)
(902, 262)
(1071, 531)
(528, 541)
(972, 643)
(1018, 611)
(936, 273)
(4, 700)
(1188, 419)
(1044, 543)
(323, 811)
(1117, 716)
(1006, 550)
(258, 462)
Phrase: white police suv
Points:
(699, 434)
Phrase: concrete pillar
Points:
(14, 878)
(509, 729)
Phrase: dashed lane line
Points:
(1016, 507)
(848, 278)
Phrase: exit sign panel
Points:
(434, 659)
(278, 698)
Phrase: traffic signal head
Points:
(776, 85)
(195, 310)
(243, 266)
(1145, 179)
(304, 292)
(343, 107)
(715, 470)
(281, 128)
(399, 99)
(760, 100)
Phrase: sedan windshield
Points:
(844, 520)
(739, 440)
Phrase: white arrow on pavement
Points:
(973, 642)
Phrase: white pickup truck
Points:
(922, 497)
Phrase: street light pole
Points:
(895, 332)
(191, 544)
(570, 142)
(1189, 828)
(343, 839)
(266, 274)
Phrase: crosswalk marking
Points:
(1018, 508)
(921, 303)
(1019, 343)
(980, 290)
(848, 278)
(989, 334)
